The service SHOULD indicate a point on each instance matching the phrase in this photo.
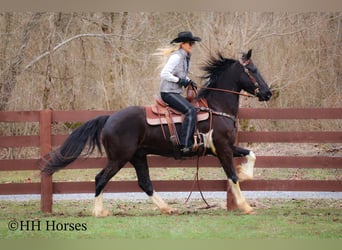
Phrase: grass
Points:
(275, 219)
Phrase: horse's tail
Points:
(87, 133)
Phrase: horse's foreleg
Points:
(240, 152)
(238, 198)
(226, 159)
(140, 164)
(245, 169)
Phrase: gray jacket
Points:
(177, 66)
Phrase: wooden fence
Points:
(45, 140)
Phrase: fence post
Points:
(46, 186)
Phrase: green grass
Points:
(275, 219)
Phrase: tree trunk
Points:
(9, 80)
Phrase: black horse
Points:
(127, 137)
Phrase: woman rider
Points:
(174, 78)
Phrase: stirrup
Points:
(198, 141)
(192, 150)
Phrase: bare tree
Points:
(104, 60)
(15, 68)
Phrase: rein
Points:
(196, 180)
(227, 91)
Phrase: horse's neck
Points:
(224, 102)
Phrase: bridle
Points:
(246, 70)
(254, 81)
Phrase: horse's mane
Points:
(213, 68)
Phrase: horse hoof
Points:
(173, 211)
(169, 211)
(102, 213)
(249, 211)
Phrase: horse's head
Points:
(251, 79)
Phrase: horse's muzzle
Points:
(264, 96)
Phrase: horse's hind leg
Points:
(140, 164)
(244, 170)
(101, 180)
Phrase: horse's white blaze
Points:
(161, 204)
(245, 170)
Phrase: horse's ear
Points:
(249, 54)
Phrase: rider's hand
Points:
(184, 82)
(193, 84)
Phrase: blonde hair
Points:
(164, 53)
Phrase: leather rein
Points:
(228, 91)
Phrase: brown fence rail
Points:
(46, 140)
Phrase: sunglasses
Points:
(191, 43)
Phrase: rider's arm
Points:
(166, 73)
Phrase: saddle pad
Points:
(156, 119)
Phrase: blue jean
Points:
(182, 105)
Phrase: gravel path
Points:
(183, 195)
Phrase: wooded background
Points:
(104, 61)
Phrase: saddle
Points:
(161, 113)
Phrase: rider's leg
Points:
(179, 103)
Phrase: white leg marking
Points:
(245, 170)
(239, 198)
(98, 210)
(161, 204)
